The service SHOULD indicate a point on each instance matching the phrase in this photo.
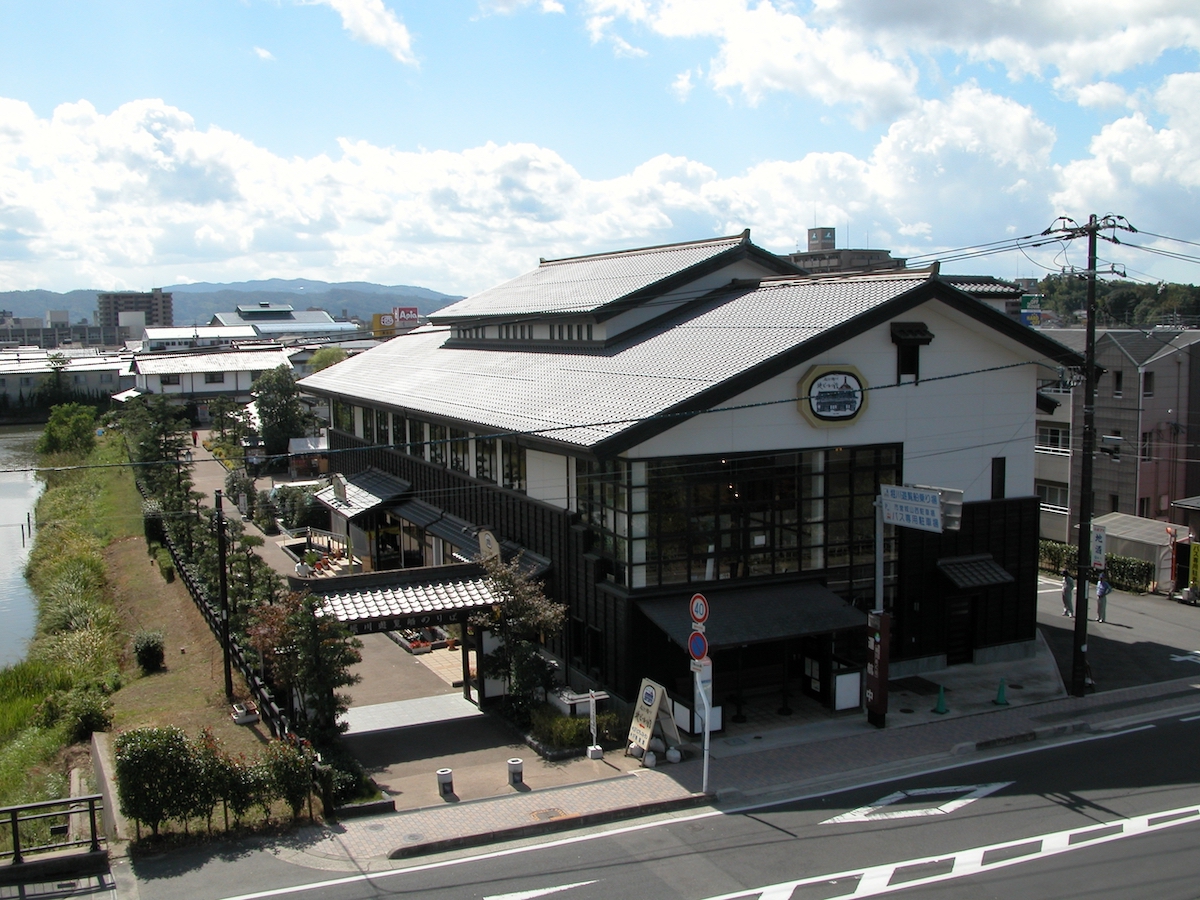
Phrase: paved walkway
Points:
(407, 713)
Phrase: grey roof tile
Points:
(584, 283)
(402, 600)
(583, 398)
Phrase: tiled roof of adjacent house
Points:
(582, 284)
(224, 361)
(403, 600)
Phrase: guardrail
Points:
(64, 817)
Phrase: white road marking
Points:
(875, 880)
(659, 823)
(540, 892)
(1190, 719)
(1192, 656)
(875, 812)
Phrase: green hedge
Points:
(1124, 572)
(550, 727)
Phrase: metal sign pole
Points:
(878, 554)
(707, 726)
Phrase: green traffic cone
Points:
(941, 709)
(1001, 697)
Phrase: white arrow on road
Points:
(539, 892)
(968, 793)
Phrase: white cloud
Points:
(264, 54)
(142, 196)
(511, 6)
(1101, 95)
(768, 48)
(373, 23)
(682, 86)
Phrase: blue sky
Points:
(451, 144)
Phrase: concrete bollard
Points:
(516, 772)
(445, 782)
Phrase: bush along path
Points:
(292, 659)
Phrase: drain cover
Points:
(414, 837)
(545, 815)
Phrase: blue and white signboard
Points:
(911, 507)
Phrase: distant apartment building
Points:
(822, 256)
(1147, 404)
(155, 306)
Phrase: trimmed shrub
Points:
(550, 727)
(291, 772)
(166, 565)
(153, 774)
(1124, 572)
(149, 649)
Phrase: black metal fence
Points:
(51, 825)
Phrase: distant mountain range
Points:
(195, 304)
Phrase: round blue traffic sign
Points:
(698, 645)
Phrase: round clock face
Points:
(835, 395)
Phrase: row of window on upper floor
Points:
(30, 380)
(1118, 385)
(567, 332)
(487, 458)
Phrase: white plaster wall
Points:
(743, 268)
(950, 429)
(546, 478)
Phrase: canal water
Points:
(19, 492)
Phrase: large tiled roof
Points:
(584, 398)
(983, 285)
(585, 283)
(404, 600)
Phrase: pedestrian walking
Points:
(1102, 590)
(1068, 592)
(195, 438)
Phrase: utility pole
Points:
(1080, 672)
(223, 589)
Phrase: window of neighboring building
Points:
(1146, 447)
(485, 458)
(78, 379)
(382, 421)
(214, 377)
(460, 450)
(437, 444)
(1144, 507)
(105, 378)
(512, 460)
(3, 382)
(1052, 494)
(343, 416)
(399, 432)
(1114, 501)
(1053, 437)
(1118, 382)
(368, 425)
(416, 438)
(999, 464)
(27, 381)
(168, 379)
(1147, 384)
(909, 338)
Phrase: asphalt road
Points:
(1146, 639)
(1110, 815)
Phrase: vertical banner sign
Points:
(879, 629)
(1194, 566)
(645, 714)
(1099, 547)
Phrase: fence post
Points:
(92, 819)
(16, 836)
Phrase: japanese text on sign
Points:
(911, 507)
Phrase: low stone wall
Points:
(104, 768)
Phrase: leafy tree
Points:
(326, 357)
(71, 429)
(521, 622)
(291, 771)
(153, 774)
(279, 409)
(221, 410)
(210, 765)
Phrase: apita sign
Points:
(832, 395)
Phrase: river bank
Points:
(19, 492)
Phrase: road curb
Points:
(562, 823)
(1023, 737)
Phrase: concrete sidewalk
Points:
(777, 772)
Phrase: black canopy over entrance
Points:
(757, 614)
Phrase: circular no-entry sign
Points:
(699, 608)
(698, 645)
